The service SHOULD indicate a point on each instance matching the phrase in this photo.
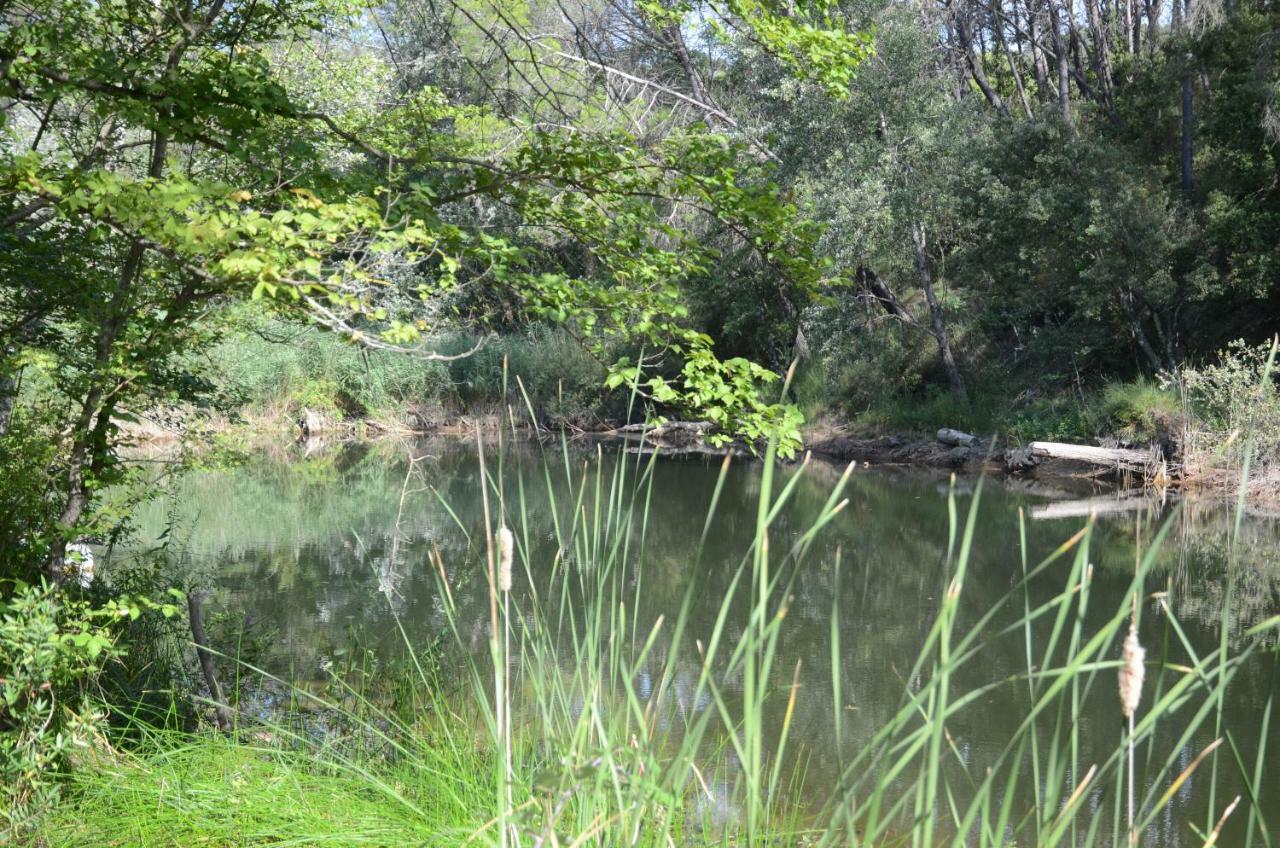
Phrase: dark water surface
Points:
(302, 548)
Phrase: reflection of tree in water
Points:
(1209, 566)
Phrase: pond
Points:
(304, 550)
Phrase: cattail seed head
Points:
(506, 549)
(1132, 670)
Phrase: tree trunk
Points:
(1063, 63)
(1154, 9)
(975, 66)
(1139, 334)
(936, 318)
(675, 39)
(1102, 56)
(1014, 71)
(1187, 138)
(802, 344)
(89, 431)
(1041, 64)
(883, 294)
(1130, 37)
(1166, 337)
(8, 397)
(195, 611)
(1125, 457)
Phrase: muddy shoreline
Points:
(974, 458)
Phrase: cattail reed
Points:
(1132, 671)
(506, 549)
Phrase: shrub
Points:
(268, 363)
(51, 648)
(29, 502)
(1236, 394)
(559, 375)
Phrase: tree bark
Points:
(675, 39)
(1126, 457)
(1040, 63)
(936, 318)
(1014, 71)
(1130, 34)
(1102, 56)
(1154, 9)
(883, 295)
(1139, 334)
(88, 442)
(90, 428)
(8, 397)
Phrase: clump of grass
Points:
(263, 787)
(1140, 412)
(1238, 395)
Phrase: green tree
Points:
(160, 160)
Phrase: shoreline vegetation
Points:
(1168, 437)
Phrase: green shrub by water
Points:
(267, 363)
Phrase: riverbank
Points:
(827, 439)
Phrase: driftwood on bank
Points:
(671, 428)
(1129, 458)
(673, 433)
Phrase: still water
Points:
(301, 550)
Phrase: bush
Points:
(51, 648)
(268, 363)
(271, 365)
(29, 502)
(560, 376)
(1234, 395)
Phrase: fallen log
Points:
(1121, 457)
(669, 427)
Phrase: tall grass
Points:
(578, 723)
(590, 752)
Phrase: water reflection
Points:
(308, 550)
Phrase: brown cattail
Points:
(1132, 671)
(506, 548)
